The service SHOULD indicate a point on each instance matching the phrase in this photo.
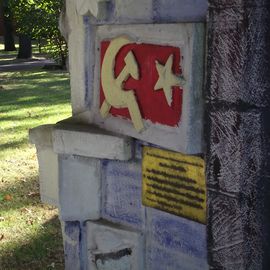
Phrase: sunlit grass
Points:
(30, 236)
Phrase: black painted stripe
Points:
(173, 167)
(175, 200)
(177, 177)
(103, 257)
(175, 211)
(173, 184)
(175, 160)
(178, 207)
(173, 191)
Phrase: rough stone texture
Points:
(238, 106)
(174, 243)
(80, 188)
(90, 141)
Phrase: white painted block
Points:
(186, 135)
(91, 141)
(48, 175)
(112, 247)
(80, 188)
(48, 163)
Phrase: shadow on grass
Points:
(36, 94)
(44, 251)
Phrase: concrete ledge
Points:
(48, 163)
(41, 135)
(90, 141)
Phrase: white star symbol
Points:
(167, 79)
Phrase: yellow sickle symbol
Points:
(115, 95)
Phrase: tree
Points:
(38, 19)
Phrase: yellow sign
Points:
(174, 183)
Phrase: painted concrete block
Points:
(179, 10)
(48, 163)
(75, 35)
(174, 183)
(80, 188)
(71, 238)
(181, 52)
(131, 11)
(122, 193)
(112, 247)
(41, 135)
(91, 141)
(145, 11)
(48, 175)
(174, 243)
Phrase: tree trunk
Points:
(8, 28)
(25, 47)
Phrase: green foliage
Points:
(39, 19)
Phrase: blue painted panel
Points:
(174, 242)
(166, 11)
(71, 235)
(122, 193)
(89, 61)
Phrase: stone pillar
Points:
(238, 134)
(129, 172)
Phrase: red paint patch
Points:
(152, 104)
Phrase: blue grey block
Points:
(71, 239)
(174, 243)
(179, 10)
(122, 193)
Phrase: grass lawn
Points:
(30, 235)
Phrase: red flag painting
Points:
(152, 76)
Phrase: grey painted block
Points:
(179, 10)
(112, 247)
(80, 188)
(122, 193)
(90, 141)
(174, 243)
(41, 135)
